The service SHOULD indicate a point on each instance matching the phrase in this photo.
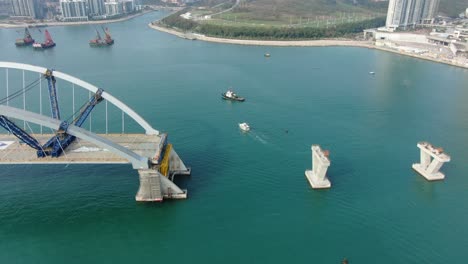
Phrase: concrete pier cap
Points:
(320, 162)
(432, 159)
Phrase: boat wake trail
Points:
(278, 141)
(258, 137)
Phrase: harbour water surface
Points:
(249, 201)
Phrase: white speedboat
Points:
(371, 73)
(244, 126)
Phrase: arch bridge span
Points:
(151, 154)
(149, 130)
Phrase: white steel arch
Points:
(119, 104)
(138, 162)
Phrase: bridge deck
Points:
(81, 151)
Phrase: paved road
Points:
(227, 10)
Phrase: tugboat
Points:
(230, 95)
(48, 43)
(98, 42)
(26, 41)
(244, 127)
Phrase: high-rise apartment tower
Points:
(23, 8)
(405, 13)
(96, 7)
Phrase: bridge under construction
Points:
(150, 153)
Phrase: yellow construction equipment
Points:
(164, 168)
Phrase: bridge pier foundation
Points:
(432, 159)
(154, 187)
(320, 162)
(150, 186)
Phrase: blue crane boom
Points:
(93, 101)
(52, 93)
(58, 143)
(20, 133)
(61, 140)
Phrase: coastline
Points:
(421, 57)
(76, 23)
(281, 43)
(300, 43)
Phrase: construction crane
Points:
(26, 40)
(19, 133)
(108, 38)
(52, 94)
(61, 140)
(48, 43)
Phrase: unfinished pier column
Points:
(320, 162)
(150, 186)
(157, 183)
(154, 187)
(432, 159)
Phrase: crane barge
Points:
(48, 43)
(99, 42)
(26, 41)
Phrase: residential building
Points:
(5, 7)
(429, 11)
(406, 13)
(128, 6)
(113, 8)
(39, 8)
(74, 10)
(96, 8)
(23, 8)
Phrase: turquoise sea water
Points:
(249, 201)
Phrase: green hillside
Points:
(289, 12)
(452, 7)
(288, 19)
(275, 9)
(306, 8)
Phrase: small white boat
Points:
(37, 45)
(372, 73)
(244, 126)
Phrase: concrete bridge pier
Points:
(150, 186)
(432, 159)
(318, 175)
(156, 183)
(154, 187)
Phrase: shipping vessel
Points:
(99, 42)
(230, 95)
(48, 43)
(26, 41)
